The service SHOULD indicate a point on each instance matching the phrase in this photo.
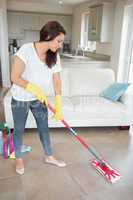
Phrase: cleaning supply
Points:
(11, 146)
(37, 91)
(7, 137)
(1, 143)
(6, 143)
(4, 126)
(110, 174)
(25, 149)
(11, 142)
(4, 137)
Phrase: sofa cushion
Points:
(84, 81)
(97, 107)
(114, 91)
(66, 103)
(67, 109)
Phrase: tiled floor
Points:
(78, 180)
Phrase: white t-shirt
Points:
(35, 72)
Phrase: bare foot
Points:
(19, 166)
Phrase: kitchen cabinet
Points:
(79, 63)
(101, 22)
(31, 21)
(22, 25)
(15, 25)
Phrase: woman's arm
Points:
(18, 67)
(58, 105)
(57, 83)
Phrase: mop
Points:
(101, 165)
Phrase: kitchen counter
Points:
(77, 60)
(68, 60)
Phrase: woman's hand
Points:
(58, 111)
(37, 91)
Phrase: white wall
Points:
(39, 7)
(4, 55)
(117, 37)
(77, 17)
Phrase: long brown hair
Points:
(48, 32)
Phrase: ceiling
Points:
(65, 2)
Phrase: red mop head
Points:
(106, 170)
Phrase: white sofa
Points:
(82, 105)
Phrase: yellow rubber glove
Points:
(37, 91)
(58, 112)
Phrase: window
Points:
(125, 71)
(84, 29)
(85, 44)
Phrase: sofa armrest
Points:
(127, 99)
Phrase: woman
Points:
(34, 66)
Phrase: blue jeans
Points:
(20, 110)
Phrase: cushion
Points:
(86, 81)
(114, 91)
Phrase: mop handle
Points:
(76, 135)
